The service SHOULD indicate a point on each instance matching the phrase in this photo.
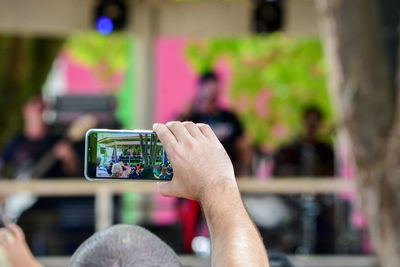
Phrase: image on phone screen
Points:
(135, 155)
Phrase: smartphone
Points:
(125, 155)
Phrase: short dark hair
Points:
(313, 110)
(124, 245)
(208, 77)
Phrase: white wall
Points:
(44, 17)
(205, 18)
(301, 18)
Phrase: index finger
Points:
(166, 137)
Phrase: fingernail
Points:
(155, 125)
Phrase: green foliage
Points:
(105, 56)
(274, 79)
(94, 50)
(24, 65)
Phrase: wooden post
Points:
(103, 209)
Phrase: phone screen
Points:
(126, 155)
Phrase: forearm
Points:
(238, 242)
(204, 172)
(71, 167)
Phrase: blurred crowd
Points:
(134, 171)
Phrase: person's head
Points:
(117, 170)
(124, 245)
(34, 108)
(33, 117)
(207, 94)
(312, 122)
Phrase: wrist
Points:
(218, 195)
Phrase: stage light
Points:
(110, 15)
(268, 16)
(104, 25)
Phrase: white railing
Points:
(104, 191)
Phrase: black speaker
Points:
(268, 16)
(110, 15)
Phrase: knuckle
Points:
(190, 144)
(204, 126)
(173, 123)
(157, 127)
(200, 125)
(159, 130)
(189, 123)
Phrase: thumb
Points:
(165, 189)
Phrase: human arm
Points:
(242, 149)
(204, 172)
(244, 153)
(65, 153)
(126, 168)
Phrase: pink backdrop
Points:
(81, 79)
(176, 81)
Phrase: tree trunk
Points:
(146, 150)
(367, 105)
(153, 149)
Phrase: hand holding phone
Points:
(125, 156)
(203, 169)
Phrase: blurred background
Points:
(253, 69)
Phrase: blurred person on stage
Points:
(225, 124)
(308, 156)
(22, 153)
(38, 153)
(228, 129)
